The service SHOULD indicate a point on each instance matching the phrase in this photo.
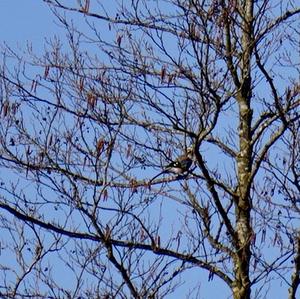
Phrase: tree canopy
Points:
(88, 123)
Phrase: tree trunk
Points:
(241, 285)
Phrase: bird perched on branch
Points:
(181, 165)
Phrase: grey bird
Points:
(180, 166)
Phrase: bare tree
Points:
(85, 126)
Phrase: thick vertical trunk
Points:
(243, 207)
(241, 285)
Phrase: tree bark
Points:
(241, 285)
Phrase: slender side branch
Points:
(262, 154)
(127, 244)
(123, 272)
(47, 226)
(228, 47)
(272, 86)
(215, 196)
(288, 14)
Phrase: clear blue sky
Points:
(23, 21)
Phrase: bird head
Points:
(190, 151)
